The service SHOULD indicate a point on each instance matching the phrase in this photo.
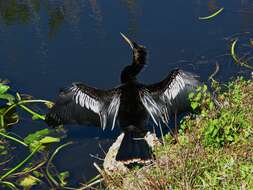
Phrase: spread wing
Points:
(82, 104)
(169, 96)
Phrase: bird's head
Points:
(139, 51)
(139, 60)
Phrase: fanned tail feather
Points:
(134, 149)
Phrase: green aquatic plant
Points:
(29, 181)
(235, 57)
(28, 172)
(20, 164)
(5, 96)
(13, 138)
(37, 167)
(212, 15)
(8, 114)
(63, 175)
(37, 143)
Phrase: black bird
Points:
(131, 104)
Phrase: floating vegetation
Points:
(63, 175)
(21, 163)
(8, 115)
(233, 51)
(36, 168)
(13, 138)
(212, 15)
(235, 57)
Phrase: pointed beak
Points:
(127, 40)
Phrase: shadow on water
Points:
(48, 44)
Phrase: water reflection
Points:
(56, 18)
(60, 12)
(97, 18)
(70, 11)
(247, 15)
(134, 12)
(13, 12)
(212, 5)
(23, 12)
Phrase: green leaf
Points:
(204, 88)
(198, 96)
(199, 88)
(35, 117)
(35, 144)
(29, 181)
(47, 140)
(190, 96)
(230, 138)
(211, 105)
(210, 129)
(1, 121)
(3, 88)
(37, 136)
(8, 97)
(38, 174)
(62, 177)
(194, 105)
(215, 131)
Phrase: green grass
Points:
(213, 149)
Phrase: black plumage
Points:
(132, 104)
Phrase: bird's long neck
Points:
(130, 72)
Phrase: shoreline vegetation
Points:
(213, 147)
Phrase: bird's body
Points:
(131, 111)
(132, 104)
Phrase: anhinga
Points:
(131, 104)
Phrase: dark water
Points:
(48, 44)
